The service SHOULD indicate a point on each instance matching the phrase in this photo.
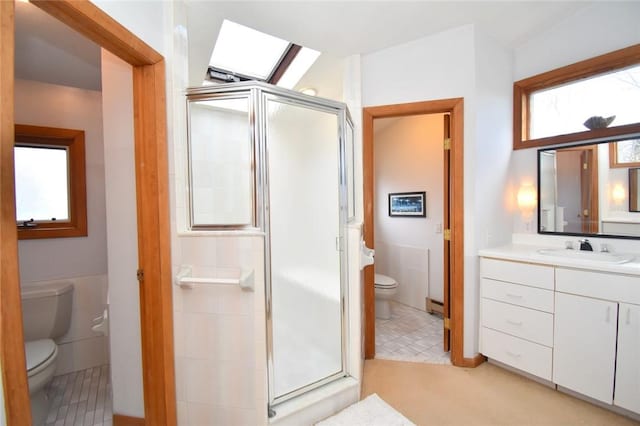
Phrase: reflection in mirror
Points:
(634, 187)
(221, 186)
(580, 193)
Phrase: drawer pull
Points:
(513, 354)
(514, 296)
(512, 322)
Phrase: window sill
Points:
(586, 136)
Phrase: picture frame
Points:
(408, 204)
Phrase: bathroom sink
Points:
(589, 256)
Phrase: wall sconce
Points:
(527, 200)
(618, 194)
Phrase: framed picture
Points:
(408, 204)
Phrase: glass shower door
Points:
(306, 217)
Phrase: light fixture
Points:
(526, 198)
(618, 194)
(309, 91)
(526, 203)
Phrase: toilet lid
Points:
(38, 352)
(384, 281)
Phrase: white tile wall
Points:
(220, 335)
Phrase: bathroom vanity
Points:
(568, 317)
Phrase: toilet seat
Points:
(383, 281)
(39, 354)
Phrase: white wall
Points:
(81, 260)
(409, 156)
(592, 31)
(122, 237)
(459, 63)
(45, 104)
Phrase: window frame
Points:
(613, 158)
(523, 89)
(73, 141)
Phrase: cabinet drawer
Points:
(530, 357)
(520, 322)
(520, 273)
(529, 297)
(615, 287)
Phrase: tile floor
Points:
(81, 398)
(410, 335)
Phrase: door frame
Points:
(455, 107)
(152, 194)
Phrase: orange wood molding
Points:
(588, 68)
(472, 362)
(455, 107)
(12, 357)
(120, 420)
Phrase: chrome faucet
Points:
(585, 245)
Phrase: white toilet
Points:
(46, 315)
(385, 288)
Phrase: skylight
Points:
(245, 51)
(242, 53)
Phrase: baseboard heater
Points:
(434, 306)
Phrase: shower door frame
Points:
(343, 121)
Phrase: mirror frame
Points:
(584, 143)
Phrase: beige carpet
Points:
(429, 394)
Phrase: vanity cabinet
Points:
(575, 327)
(517, 315)
(627, 392)
(584, 353)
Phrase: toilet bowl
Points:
(46, 313)
(385, 288)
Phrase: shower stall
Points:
(274, 161)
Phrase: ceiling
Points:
(51, 52)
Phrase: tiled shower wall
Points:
(220, 337)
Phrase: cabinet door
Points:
(585, 345)
(627, 393)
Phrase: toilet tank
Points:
(46, 309)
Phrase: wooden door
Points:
(447, 232)
(589, 189)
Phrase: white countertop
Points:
(530, 254)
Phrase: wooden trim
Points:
(74, 141)
(369, 271)
(120, 420)
(613, 158)
(446, 244)
(456, 108)
(472, 362)
(12, 356)
(633, 193)
(156, 318)
(588, 68)
(432, 306)
(154, 244)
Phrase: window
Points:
(553, 107)
(625, 153)
(50, 182)
(242, 53)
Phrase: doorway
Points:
(409, 250)
(154, 260)
(454, 242)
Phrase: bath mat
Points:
(371, 411)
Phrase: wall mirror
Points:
(590, 189)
